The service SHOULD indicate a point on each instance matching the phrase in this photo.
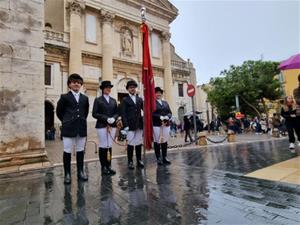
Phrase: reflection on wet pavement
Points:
(200, 187)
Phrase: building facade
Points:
(101, 40)
(207, 113)
(289, 80)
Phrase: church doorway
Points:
(49, 120)
(121, 96)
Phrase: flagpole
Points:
(143, 17)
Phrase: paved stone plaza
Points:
(54, 148)
(204, 186)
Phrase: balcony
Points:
(179, 65)
(55, 38)
(53, 35)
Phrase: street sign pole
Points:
(237, 103)
(191, 93)
(194, 118)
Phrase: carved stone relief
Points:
(126, 41)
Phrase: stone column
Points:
(76, 36)
(22, 89)
(107, 45)
(168, 80)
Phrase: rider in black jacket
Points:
(161, 127)
(72, 110)
(132, 106)
(105, 110)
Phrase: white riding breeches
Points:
(106, 137)
(71, 142)
(161, 134)
(135, 137)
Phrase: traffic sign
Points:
(239, 115)
(191, 90)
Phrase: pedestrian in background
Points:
(297, 100)
(288, 111)
(187, 128)
(231, 125)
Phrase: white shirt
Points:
(76, 95)
(106, 98)
(133, 97)
(160, 101)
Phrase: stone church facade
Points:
(101, 40)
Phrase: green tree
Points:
(254, 82)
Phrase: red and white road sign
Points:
(239, 115)
(191, 90)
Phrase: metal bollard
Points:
(202, 140)
(231, 136)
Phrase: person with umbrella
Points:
(161, 127)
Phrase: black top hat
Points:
(75, 77)
(158, 89)
(105, 84)
(131, 83)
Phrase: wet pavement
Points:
(204, 186)
(54, 148)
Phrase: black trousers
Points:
(188, 134)
(292, 128)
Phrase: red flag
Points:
(149, 94)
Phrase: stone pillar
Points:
(76, 36)
(107, 45)
(22, 89)
(168, 80)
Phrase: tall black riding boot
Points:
(130, 156)
(112, 172)
(138, 154)
(67, 167)
(157, 153)
(164, 147)
(80, 172)
(102, 158)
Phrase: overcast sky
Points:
(215, 34)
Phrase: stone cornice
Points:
(55, 49)
(159, 8)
